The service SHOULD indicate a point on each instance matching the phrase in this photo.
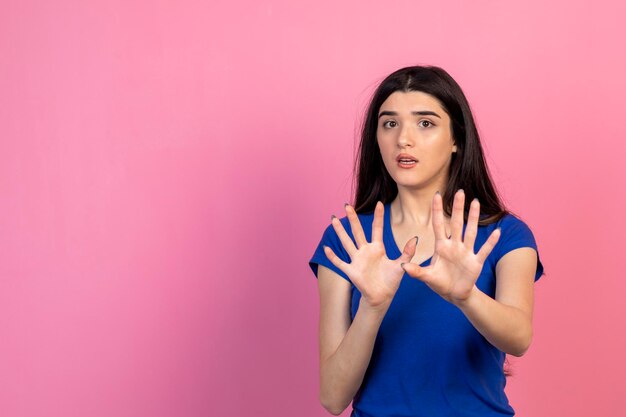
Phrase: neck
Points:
(414, 206)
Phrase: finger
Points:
(488, 246)
(414, 270)
(438, 224)
(345, 239)
(355, 225)
(456, 222)
(472, 225)
(337, 261)
(377, 224)
(409, 250)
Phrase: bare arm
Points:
(345, 348)
(506, 322)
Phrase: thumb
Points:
(414, 270)
(409, 250)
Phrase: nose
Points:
(406, 137)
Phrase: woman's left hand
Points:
(454, 267)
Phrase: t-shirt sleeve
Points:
(330, 239)
(516, 234)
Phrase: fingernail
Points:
(437, 193)
(475, 199)
(346, 205)
(402, 265)
(416, 239)
(332, 216)
(461, 191)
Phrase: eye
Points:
(388, 123)
(428, 123)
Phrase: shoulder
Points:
(330, 237)
(513, 229)
(515, 233)
(365, 219)
(511, 220)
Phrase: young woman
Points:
(422, 331)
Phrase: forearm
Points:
(342, 373)
(506, 327)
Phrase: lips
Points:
(405, 157)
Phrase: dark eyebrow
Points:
(416, 113)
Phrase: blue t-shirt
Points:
(428, 359)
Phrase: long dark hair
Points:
(468, 169)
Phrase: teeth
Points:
(407, 161)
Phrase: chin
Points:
(409, 184)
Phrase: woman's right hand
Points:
(375, 276)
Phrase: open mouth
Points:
(406, 161)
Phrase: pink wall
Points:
(167, 168)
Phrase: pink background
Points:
(167, 168)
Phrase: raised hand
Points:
(454, 268)
(375, 276)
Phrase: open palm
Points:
(455, 267)
(375, 275)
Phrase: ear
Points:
(454, 149)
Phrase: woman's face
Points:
(413, 126)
